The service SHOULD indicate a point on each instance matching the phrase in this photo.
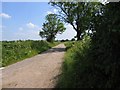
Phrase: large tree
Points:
(78, 14)
(51, 27)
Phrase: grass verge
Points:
(14, 51)
(75, 63)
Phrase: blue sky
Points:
(23, 20)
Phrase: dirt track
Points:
(40, 71)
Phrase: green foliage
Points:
(78, 14)
(74, 58)
(51, 27)
(14, 51)
(69, 44)
(105, 46)
(95, 63)
(73, 39)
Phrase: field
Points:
(14, 51)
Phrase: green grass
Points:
(75, 63)
(69, 44)
(14, 51)
(92, 64)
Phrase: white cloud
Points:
(4, 15)
(25, 33)
(49, 12)
(28, 34)
(54, 11)
(31, 31)
(22, 33)
(68, 34)
(31, 25)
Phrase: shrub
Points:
(74, 58)
(96, 64)
(69, 44)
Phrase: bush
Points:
(96, 64)
(73, 39)
(74, 58)
(69, 44)
(93, 64)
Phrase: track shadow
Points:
(52, 50)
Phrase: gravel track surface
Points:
(40, 71)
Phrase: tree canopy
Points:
(51, 27)
(78, 14)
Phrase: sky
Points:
(23, 21)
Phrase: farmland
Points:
(14, 51)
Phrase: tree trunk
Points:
(78, 35)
